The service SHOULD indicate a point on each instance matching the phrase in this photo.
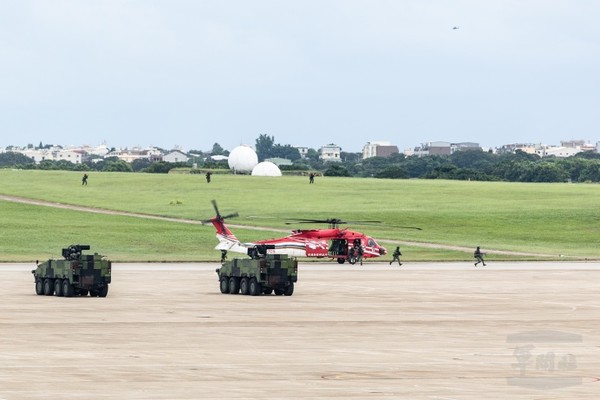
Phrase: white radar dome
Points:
(266, 168)
(242, 159)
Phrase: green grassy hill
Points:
(548, 219)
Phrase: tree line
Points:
(461, 165)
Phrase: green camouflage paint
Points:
(76, 274)
(262, 275)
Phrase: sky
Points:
(191, 73)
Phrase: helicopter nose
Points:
(382, 251)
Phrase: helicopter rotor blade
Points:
(214, 203)
(235, 214)
(307, 220)
(331, 221)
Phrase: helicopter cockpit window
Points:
(372, 243)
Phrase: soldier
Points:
(84, 179)
(208, 174)
(396, 256)
(223, 256)
(359, 251)
(478, 256)
(311, 178)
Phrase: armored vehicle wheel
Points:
(255, 287)
(289, 290)
(68, 289)
(267, 291)
(224, 284)
(245, 286)
(93, 293)
(58, 290)
(278, 292)
(39, 286)
(103, 292)
(341, 260)
(48, 287)
(234, 285)
(83, 292)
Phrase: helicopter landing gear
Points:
(341, 260)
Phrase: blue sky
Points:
(309, 72)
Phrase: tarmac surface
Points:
(438, 331)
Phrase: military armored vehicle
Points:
(77, 275)
(262, 273)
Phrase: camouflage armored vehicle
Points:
(262, 273)
(77, 275)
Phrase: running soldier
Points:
(478, 256)
(396, 256)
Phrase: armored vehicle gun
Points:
(77, 275)
(262, 273)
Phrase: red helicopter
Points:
(334, 242)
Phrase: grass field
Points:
(539, 218)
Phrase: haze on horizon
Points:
(192, 73)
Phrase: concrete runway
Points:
(422, 331)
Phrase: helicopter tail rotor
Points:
(219, 218)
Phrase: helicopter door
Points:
(338, 247)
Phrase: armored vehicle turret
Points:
(262, 273)
(76, 275)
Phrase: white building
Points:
(74, 156)
(302, 150)
(558, 151)
(330, 152)
(175, 156)
(136, 153)
(528, 148)
(100, 150)
(54, 154)
(379, 149)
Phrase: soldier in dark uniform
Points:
(396, 256)
(84, 179)
(311, 178)
(223, 256)
(478, 256)
(208, 174)
(360, 252)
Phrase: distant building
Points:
(465, 146)
(574, 144)
(379, 149)
(302, 150)
(330, 152)
(589, 147)
(136, 153)
(439, 148)
(579, 144)
(74, 156)
(54, 154)
(558, 151)
(100, 150)
(175, 157)
(524, 147)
